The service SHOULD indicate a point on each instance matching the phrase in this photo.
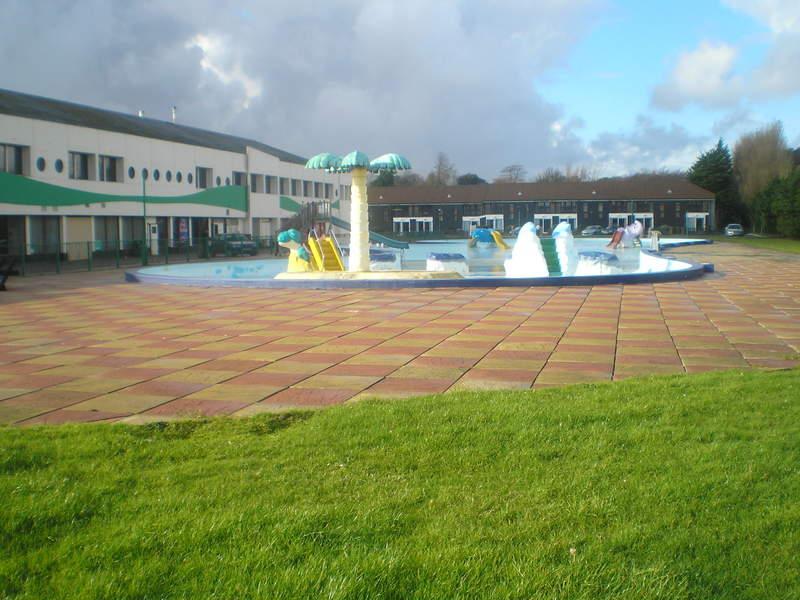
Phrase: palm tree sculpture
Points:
(357, 164)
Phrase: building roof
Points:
(655, 187)
(57, 111)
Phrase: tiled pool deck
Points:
(87, 347)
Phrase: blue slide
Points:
(373, 237)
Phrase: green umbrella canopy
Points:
(389, 162)
(354, 160)
(326, 160)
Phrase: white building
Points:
(73, 173)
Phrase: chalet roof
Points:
(655, 187)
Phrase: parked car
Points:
(734, 229)
(593, 230)
(232, 244)
(608, 230)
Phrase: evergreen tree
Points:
(713, 171)
(469, 179)
(384, 179)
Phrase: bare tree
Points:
(512, 174)
(552, 175)
(444, 172)
(758, 158)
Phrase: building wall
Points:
(54, 141)
(447, 218)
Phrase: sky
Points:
(612, 86)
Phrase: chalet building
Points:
(667, 202)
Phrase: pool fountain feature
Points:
(527, 258)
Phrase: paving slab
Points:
(86, 347)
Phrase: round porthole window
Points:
(41, 163)
(169, 175)
(131, 172)
(189, 178)
(219, 181)
(59, 165)
(178, 177)
(145, 173)
(156, 175)
(227, 181)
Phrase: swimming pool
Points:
(595, 265)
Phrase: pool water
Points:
(483, 262)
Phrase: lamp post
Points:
(145, 241)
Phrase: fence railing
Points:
(62, 257)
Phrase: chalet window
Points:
(238, 178)
(268, 186)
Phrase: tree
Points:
(444, 172)
(469, 179)
(759, 158)
(553, 175)
(713, 171)
(384, 179)
(550, 175)
(408, 179)
(512, 174)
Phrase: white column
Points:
(359, 222)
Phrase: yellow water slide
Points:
(324, 254)
(498, 239)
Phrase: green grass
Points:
(674, 488)
(766, 243)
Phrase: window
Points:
(268, 188)
(156, 174)
(11, 158)
(59, 165)
(189, 178)
(203, 176)
(219, 181)
(284, 185)
(169, 175)
(255, 180)
(227, 181)
(295, 187)
(108, 167)
(131, 172)
(44, 234)
(78, 165)
(317, 190)
(307, 188)
(239, 178)
(41, 164)
(328, 190)
(106, 232)
(145, 174)
(178, 176)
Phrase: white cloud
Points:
(704, 75)
(216, 60)
(647, 146)
(781, 16)
(707, 75)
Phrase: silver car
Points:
(734, 229)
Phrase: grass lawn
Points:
(767, 243)
(678, 487)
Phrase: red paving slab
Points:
(86, 347)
